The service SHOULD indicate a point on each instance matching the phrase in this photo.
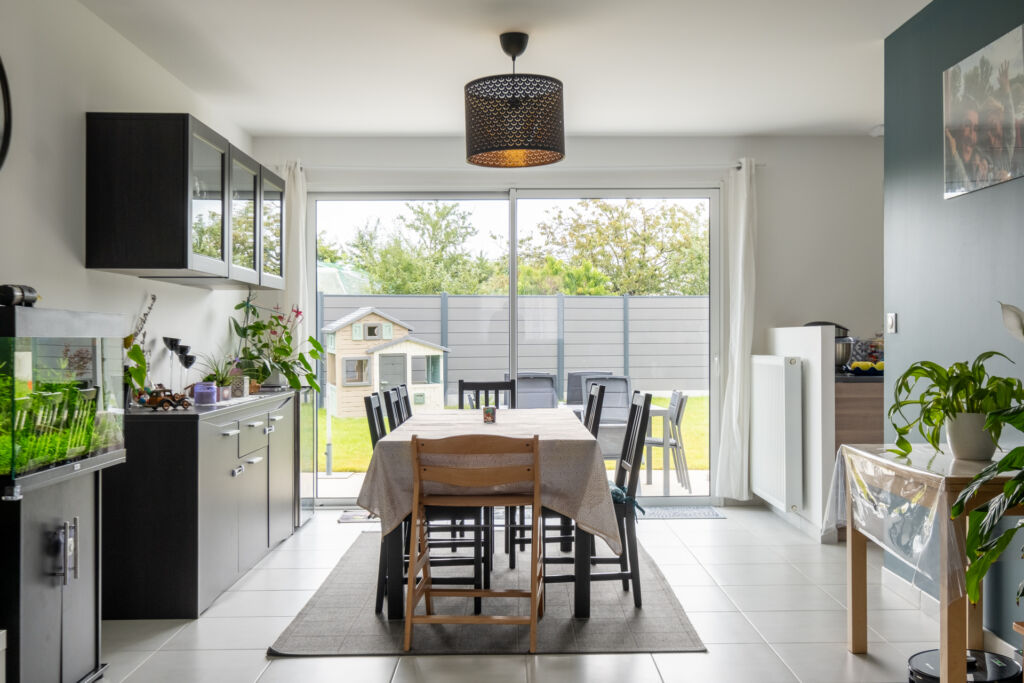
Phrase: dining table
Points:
(574, 482)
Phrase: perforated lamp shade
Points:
(514, 120)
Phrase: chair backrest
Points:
(491, 393)
(627, 472)
(403, 392)
(474, 467)
(676, 406)
(595, 401)
(374, 417)
(536, 390)
(393, 403)
(576, 386)
(618, 391)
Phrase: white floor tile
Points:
(814, 553)
(301, 559)
(724, 627)
(911, 648)
(879, 597)
(724, 664)
(281, 579)
(903, 625)
(462, 669)
(120, 664)
(803, 627)
(201, 667)
(781, 598)
(834, 573)
(229, 633)
(757, 575)
(604, 668)
(259, 603)
(330, 670)
(139, 634)
(704, 599)
(736, 554)
(687, 575)
(719, 537)
(832, 662)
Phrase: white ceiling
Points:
(645, 67)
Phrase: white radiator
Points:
(776, 432)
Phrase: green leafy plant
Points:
(267, 343)
(983, 545)
(218, 369)
(136, 367)
(946, 393)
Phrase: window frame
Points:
(368, 374)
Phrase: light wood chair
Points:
(473, 476)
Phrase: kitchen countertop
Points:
(198, 411)
(859, 378)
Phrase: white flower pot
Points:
(967, 437)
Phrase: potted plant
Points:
(219, 371)
(136, 367)
(267, 344)
(983, 548)
(958, 397)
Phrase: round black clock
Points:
(5, 114)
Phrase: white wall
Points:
(62, 61)
(819, 251)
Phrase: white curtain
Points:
(298, 270)
(740, 239)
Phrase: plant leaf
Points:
(1013, 320)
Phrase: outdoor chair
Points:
(536, 390)
(576, 385)
(672, 422)
(614, 412)
(474, 471)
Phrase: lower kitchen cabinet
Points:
(198, 504)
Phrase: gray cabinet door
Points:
(252, 509)
(40, 647)
(219, 482)
(392, 370)
(282, 472)
(80, 655)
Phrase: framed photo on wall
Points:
(983, 116)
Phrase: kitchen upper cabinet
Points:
(272, 230)
(169, 198)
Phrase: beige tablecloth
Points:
(574, 481)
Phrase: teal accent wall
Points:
(948, 262)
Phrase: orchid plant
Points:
(267, 343)
(983, 544)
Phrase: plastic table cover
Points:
(899, 503)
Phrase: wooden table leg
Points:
(581, 565)
(395, 571)
(856, 584)
(952, 612)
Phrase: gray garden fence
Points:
(661, 342)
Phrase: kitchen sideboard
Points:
(205, 494)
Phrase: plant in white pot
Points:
(959, 397)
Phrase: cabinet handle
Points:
(275, 418)
(238, 471)
(231, 432)
(67, 554)
(268, 430)
(257, 459)
(255, 424)
(74, 525)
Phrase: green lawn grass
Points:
(351, 438)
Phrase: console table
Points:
(903, 505)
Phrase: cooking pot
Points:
(844, 343)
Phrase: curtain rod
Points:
(724, 165)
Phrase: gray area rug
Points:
(339, 619)
(681, 512)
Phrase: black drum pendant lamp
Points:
(514, 120)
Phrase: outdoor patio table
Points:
(574, 481)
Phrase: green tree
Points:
(327, 249)
(553, 276)
(425, 253)
(640, 249)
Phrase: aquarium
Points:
(61, 389)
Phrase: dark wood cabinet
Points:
(49, 597)
(194, 507)
(860, 412)
(167, 197)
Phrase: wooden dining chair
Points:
(623, 492)
(489, 392)
(393, 404)
(475, 470)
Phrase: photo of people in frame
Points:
(983, 116)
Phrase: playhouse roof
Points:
(360, 313)
(407, 338)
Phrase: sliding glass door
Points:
(425, 290)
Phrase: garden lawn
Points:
(351, 438)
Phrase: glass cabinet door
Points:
(244, 178)
(208, 239)
(272, 231)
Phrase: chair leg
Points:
(488, 545)
(634, 557)
(478, 561)
(565, 529)
(510, 535)
(381, 578)
(410, 605)
(624, 557)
